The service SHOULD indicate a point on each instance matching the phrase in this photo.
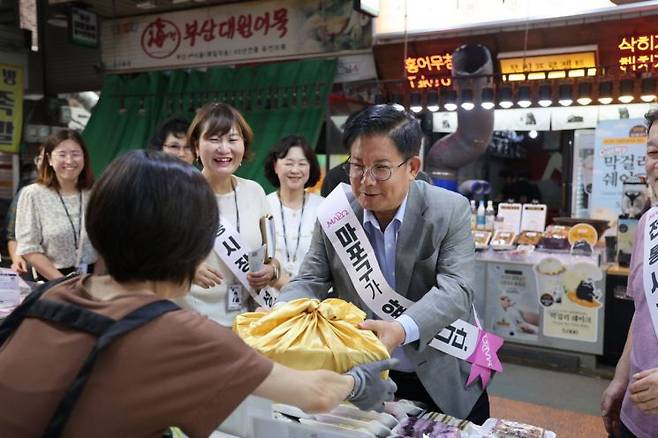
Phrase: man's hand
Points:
(370, 390)
(611, 405)
(207, 277)
(262, 278)
(644, 390)
(390, 333)
(19, 265)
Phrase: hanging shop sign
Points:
(548, 64)
(83, 27)
(270, 30)
(637, 52)
(619, 153)
(571, 298)
(357, 67)
(429, 71)
(11, 107)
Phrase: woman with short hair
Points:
(49, 217)
(222, 139)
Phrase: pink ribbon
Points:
(484, 359)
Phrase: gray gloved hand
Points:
(370, 390)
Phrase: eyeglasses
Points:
(379, 172)
(177, 148)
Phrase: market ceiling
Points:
(130, 8)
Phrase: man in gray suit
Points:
(422, 241)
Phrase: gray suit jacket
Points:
(433, 266)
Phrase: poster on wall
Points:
(444, 122)
(514, 304)
(11, 107)
(619, 152)
(234, 33)
(573, 117)
(624, 111)
(570, 298)
(523, 119)
(583, 167)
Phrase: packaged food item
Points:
(372, 426)
(503, 240)
(555, 238)
(529, 238)
(307, 334)
(343, 428)
(498, 428)
(448, 420)
(351, 411)
(481, 238)
(401, 409)
(414, 427)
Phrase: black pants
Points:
(410, 388)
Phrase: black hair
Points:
(651, 117)
(177, 126)
(280, 150)
(152, 217)
(392, 121)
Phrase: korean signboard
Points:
(429, 71)
(259, 30)
(83, 27)
(619, 152)
(11, 107)
(638, 53)
(514, 65)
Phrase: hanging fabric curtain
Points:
(276, 99)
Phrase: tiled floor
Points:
(565, 403)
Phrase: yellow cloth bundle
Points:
(307, 334)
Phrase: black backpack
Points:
(77, 318)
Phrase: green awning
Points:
(276, 99)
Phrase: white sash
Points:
(230, 248)
(346, 234)
(650, 265)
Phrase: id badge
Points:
(234, 298)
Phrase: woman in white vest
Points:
(292, 167)
(221, 139)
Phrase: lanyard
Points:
(75, 235)
(285, 233)
(237, 212)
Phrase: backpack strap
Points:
(70, 316)
(132, 321)
(15, 318)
